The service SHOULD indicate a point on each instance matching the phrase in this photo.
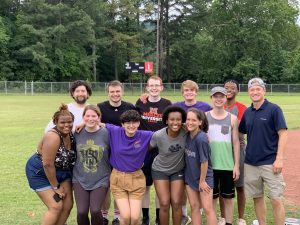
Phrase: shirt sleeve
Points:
(203, 149)
(153, 141)
(278, 119)
(242, 125)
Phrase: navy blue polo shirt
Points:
(261, 127)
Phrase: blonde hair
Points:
(189, 84)
(154, 77)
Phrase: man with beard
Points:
(111, 111)
(80, 91)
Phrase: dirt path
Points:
(291, 170)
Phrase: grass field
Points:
(23, 119)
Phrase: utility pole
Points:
(158, 39)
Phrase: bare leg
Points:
(135, 211)
(124, 206)
(241, 201)
(194, 201)
(228, 203)
(146, 199)
(51, 216)
(67, 203)
(177, 190)
(260, 210)
(207, 204)
(162, 188)
(278, 211)
(222, 206)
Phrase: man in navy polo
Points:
(266, 130)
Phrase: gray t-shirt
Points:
(92, 169)
(170, 158)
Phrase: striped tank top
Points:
(220, 139)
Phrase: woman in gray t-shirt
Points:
(91, 171)
(168, 165)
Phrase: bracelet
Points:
(56, 187)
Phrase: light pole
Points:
(158, 38)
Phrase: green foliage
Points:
(204, 40)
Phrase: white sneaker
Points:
(241, 222)
(186, 220)
(221, 221)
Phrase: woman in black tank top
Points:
(49, 170)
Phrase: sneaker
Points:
(157, 222)
(221, 221)
(186, 220)
(145, 221)
(116, 221)
(105, 221)
(241, 222)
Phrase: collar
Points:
(262, 107)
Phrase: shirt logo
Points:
(175, 148)
(261, 118)
(137, 144)
(90, 154)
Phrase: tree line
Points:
(204, 40)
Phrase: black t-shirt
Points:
(151, 113)
(111, 114)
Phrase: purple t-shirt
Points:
(127, 153)
(205, 107)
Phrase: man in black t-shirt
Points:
(151, 113)
(111, 111)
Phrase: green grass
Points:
(23, 119)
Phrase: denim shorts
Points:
(37, 178)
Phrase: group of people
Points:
(189, 150)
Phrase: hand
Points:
(277, 166)
(144, 98)
(61, 192)
(203, 186)
(79, 127)
(236, 173)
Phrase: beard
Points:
(81, 100)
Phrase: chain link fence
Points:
(99, 88)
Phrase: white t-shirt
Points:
(77, 112)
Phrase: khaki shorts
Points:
(257, 176)
(130, 185)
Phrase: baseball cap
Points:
(218, 90)
(256, 82)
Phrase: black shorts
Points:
(157, 175)
(223, 184)
(150, 155)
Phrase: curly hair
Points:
(62, 111)
(78, 83)
(130, 116)
(171, 109)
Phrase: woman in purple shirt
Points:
(127, 181)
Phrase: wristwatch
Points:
(56, 187)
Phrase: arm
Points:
(50, 145)
(236, 147)
(203, 186)
(278, 163)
